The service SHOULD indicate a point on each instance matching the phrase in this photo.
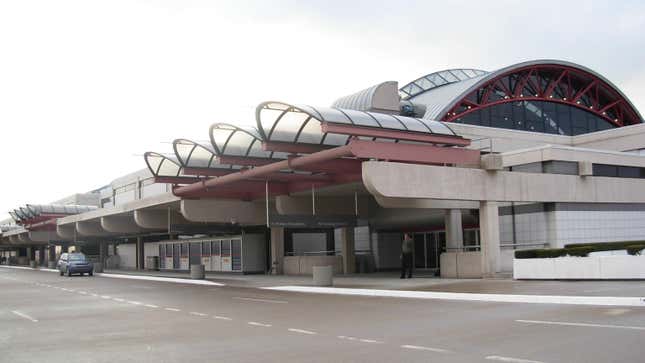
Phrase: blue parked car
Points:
(75, 263)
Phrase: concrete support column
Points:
(347, 246)
(489, 238)
(277, 250)
(64, 248)
(102, 251)
(41, 254)
(31, 254)
(454, 230)
(140, 254)
(52, 253)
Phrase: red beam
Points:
(207, 171)
(554, 83)
(414, 153)
(262, 171)
(244, 161)
(176, 179)
(393, 134)
(584, 90)
(293, 148)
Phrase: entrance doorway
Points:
(427, 249)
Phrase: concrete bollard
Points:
(51, 264)
(197, 272)
(98, 267)
(323, 276)
(32, 264)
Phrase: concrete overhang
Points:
(620, 139)
(397, 180)
(323, 205)
(167, 199)
(120, 224)
(42, 236)
(420, 203)
(91, 228)
(566, 153)
(224, 211)
(66, 232)
(158, 218)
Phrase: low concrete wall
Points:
(580, 268)
(461, 265)
(303, 265)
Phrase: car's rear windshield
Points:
(77, 257)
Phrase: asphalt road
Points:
(48, 318)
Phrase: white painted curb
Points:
(161, 279)
(132, 277)
(503, 298)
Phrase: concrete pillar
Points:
(454, 230)
(102, 251)
(347, 247)
(31, 254)
(140, 254)
(489, 238)
(41, 254)
(277, 250)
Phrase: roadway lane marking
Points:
(23, 315)
(615, 312)
(172, 309)
(151, 306)
(106, 297)
(134, 302)
(118, 299)
(460, 296)
(221, 317)
(95, 295)
(82, 292)
(302, 331)
(511, 359)
(254, 323)
(261, 300)
(587, 325)
(371, 341)
(429, 349)
(346, 337)
(196, 313)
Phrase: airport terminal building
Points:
(475, 164)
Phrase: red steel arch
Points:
(552, 83)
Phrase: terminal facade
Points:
(474, 164)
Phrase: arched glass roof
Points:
(38, 209)
(288, 123)
(191, 154)
(162, 166)
(437, 79)
(232, 140)
(364, 100)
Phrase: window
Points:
(537, 116)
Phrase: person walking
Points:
(406, 255)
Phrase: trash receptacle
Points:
(98, 267)
(32, 264)
(152, 263)
(197, 272)
(323, 276)
(51, 264)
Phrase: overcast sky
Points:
(86, 87)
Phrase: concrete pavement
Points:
(45, 317)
